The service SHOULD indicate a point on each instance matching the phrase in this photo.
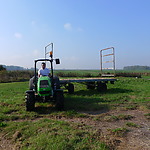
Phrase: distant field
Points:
(17, 76)
(89, 117)
(97, 73)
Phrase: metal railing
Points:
(111, 57)
(52, 46)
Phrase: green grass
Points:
(120, 132)
(50, 134)
(147, 115)
(131, 124)
(127, 93)
(37, 133)
(3, 124)
(118, 117)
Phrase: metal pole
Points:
(114, 61)
(35, 76)
(52, 61)
(45, 52)
(101, 61)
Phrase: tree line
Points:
(13, 68)
(136, 67)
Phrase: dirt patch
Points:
(110, 127)
(137, 138)
(6, 144)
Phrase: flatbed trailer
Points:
(99, 83)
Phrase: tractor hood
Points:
(44, 87)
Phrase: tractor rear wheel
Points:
(30, 100)
(59, 98)
(101, 87)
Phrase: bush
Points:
(14, 76)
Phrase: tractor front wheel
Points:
(30, 100)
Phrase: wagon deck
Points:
(92, 83)
(63, 81)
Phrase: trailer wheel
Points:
(30, 100)
(101, 87)
(59, 98)
(91, 85)
(70, 88)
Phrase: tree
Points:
(2, 68)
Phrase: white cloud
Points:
(18, 35)
(68, 26)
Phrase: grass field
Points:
(78, 127)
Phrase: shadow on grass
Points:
(76, 104)
(44, 110)
(85, 104)
(83, 100)
(89, 100)
(118, 90)
(93, 92)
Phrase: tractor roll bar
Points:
(42, 60)
(50, 60)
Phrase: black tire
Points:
(59, 99)
(30, 100)
(56, 82)
(101, 87)
(70, 88)
(91, 85)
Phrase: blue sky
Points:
(79, 29)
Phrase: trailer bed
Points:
(64, 81)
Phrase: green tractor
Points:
(44, 88)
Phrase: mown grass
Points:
(131, 124)
(30, 131)
(126, 93)
(111, 118)
(120, 132)
(50, 134)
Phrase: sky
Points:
(79, 29)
